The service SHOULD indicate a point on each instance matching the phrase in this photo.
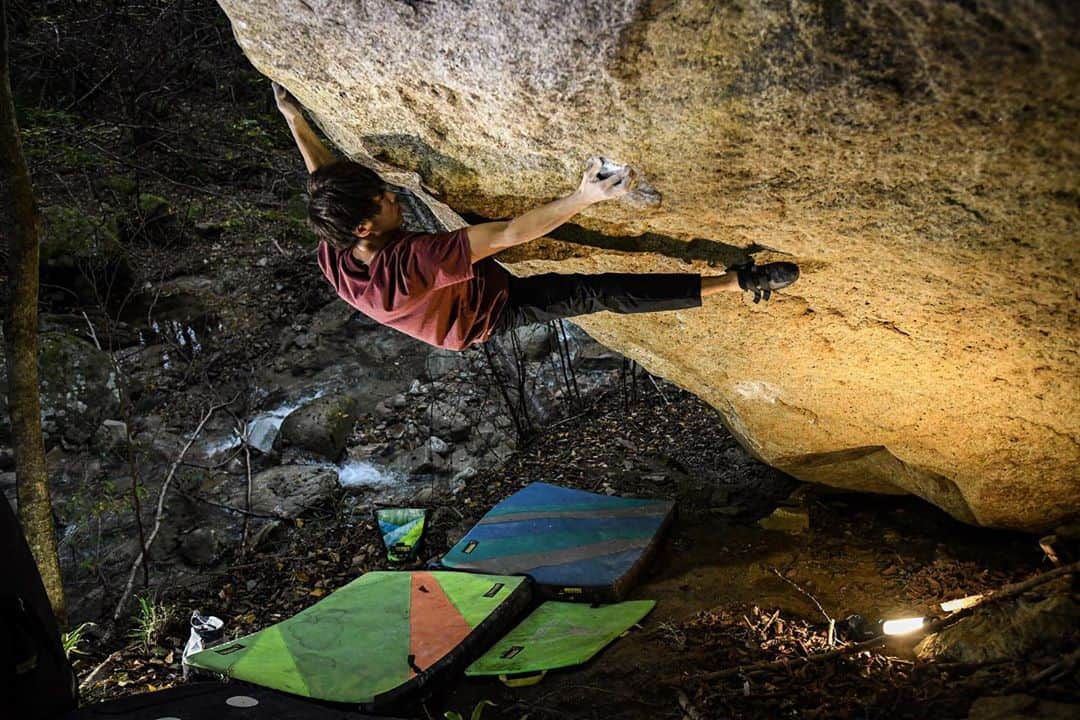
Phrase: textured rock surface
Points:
(287, 491)
(78, 389)
(1000, 633)
(919, 159)
(321, 426)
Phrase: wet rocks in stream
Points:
(322, 426)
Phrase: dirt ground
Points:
(721, 600)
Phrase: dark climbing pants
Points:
(540, 298)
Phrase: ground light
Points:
(902, 626)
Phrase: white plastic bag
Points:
(206, 631)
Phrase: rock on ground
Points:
(918, 160)
(78, 388)
(288, 491)
(1005, 632)
(322, 426)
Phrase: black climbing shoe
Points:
(763, 279)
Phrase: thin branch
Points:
(94, 89)
(93, 335)
(230, 508)
(795, 585)
(247, 495)
(161, 510)
(658, 389)
(86, 680)
(1066, 664)
(775, 664)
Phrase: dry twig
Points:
(161, 511)
(690, 712)
(795, 585)
(90, 676)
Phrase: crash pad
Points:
(401, 529)
(558, 635)
(378, 641)
(214, 701)
(575, 545)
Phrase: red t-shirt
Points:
(424, 285)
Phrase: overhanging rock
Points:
(919, 160)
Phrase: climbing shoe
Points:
(763, 279)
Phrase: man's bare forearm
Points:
(316, 155)
(538, 222)
(486, 239)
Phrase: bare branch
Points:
(161, 510)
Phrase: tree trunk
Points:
(19, 227)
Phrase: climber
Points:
(444, 288)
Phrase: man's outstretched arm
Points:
(489, 238)
(315, 153)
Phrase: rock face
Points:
(919, 160)
(78, 389)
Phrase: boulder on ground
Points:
(440, 363)
(288, 491)
(1004, 632)
(78, 388)
(790, 520)
(419, 460)
(322, 426)
(449, 421)
(918, 160)
(201, 547)
(536, 342)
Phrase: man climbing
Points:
(444, 288)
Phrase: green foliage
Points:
(93, 498)
(73, 638)
(44, 134)
(71, 232)
(151, 619)
(253, 131)
(151, 205)
(476, 713)
(121, 184)
(46, 117)
(194, 210)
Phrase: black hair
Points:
(342, 195)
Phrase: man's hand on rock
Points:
(594, 189)
(287, 104)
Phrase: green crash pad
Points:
(558, 635)
(377, 641)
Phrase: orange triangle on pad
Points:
(435, 625)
